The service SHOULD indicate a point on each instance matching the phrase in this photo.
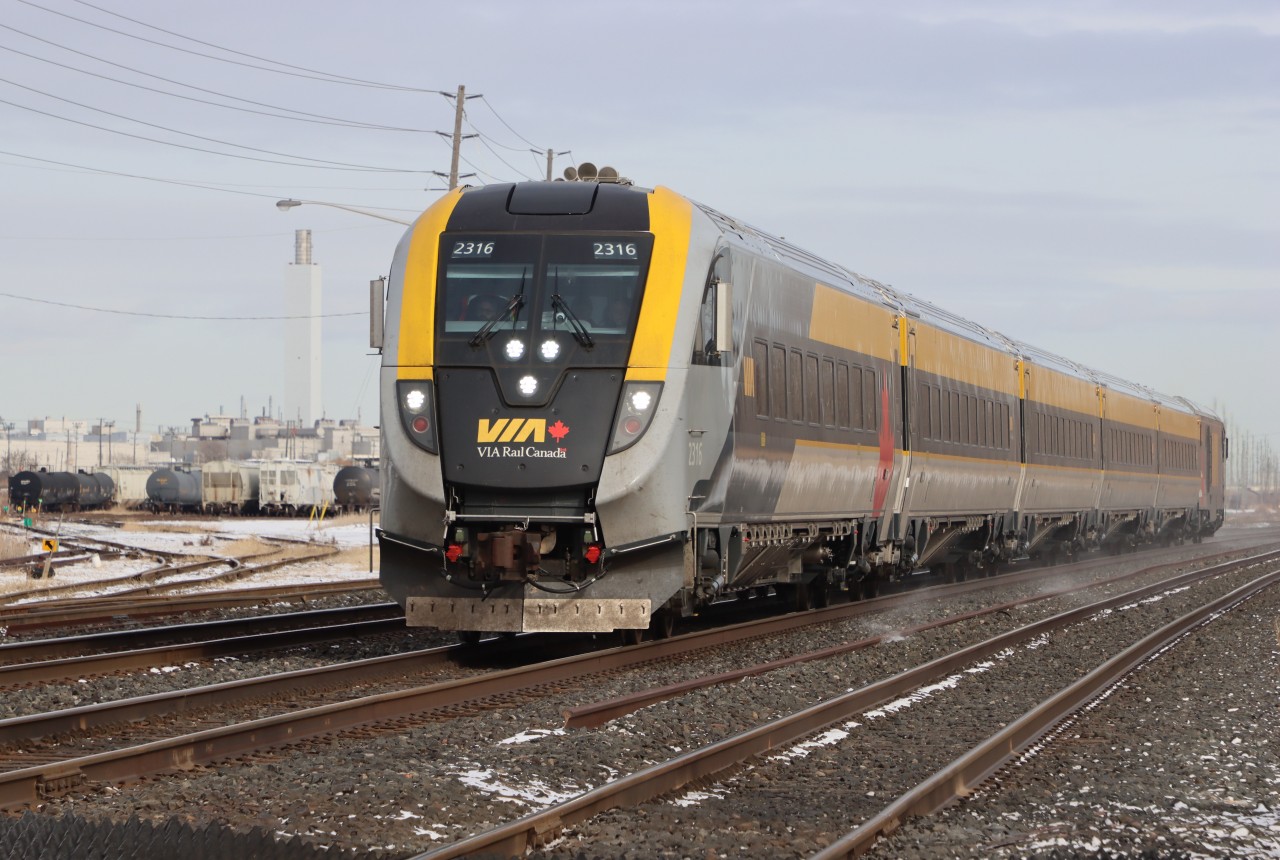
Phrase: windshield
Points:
(582, 292)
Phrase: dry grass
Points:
(172, 528)
(348, 519)
(358, 556)
(249, 546)
(15, 546)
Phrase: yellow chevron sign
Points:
(49, 545)
(512, 430)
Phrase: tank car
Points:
(228, 487)
(43, 489)
(60, 491)
(286, 488)
(96, 490)
(666, 406)
(174, 490)
(357, 488)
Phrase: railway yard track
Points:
(835, 732)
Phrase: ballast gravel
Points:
(1180, 759)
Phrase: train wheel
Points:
(803, 596)
(821, 590)
(469, 637)
(663, 624)
(870, 587)
(631, 637)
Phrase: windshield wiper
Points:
(512, 310)
(580, 332)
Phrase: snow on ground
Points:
(199, 538)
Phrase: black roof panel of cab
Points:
(551, 206)
(552, 198)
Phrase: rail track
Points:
(699, 766)
(419, 705)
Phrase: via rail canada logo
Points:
(520, 437)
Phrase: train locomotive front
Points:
(527, 387)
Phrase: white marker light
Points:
(640, 400)
(528, 385)
(415, 399)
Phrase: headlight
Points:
(635, 412)
(514, 349)
(418, 414)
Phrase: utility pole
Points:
(458, 136)
(101, 426)
(8, 450)
(551, 155)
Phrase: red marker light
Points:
(454, 552)
(592, 553)
(420, 425)
(632, 425)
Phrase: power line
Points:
(509, 128)
(320, 161)
(315, 75)
(174, 316)
(182, 182)
(319, 165)
(302, 117)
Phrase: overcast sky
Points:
(1099, 179)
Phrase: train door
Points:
(896, 430)
(712, 387)
(1214, 453)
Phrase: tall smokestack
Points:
(302, 248)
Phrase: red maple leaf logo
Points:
(558, 431)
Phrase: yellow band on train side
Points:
(416, 353)
(671, 222)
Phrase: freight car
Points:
(228, 487)
(670, 406)
(357, 488)
(130, 485)
(175, 490)
(60, 491)
(287, 488)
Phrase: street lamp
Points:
(286, 205)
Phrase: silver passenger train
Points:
(604, 407)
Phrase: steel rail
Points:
(29, 784)
(165, 570)
(33, 616)
(121, 640)
(596, 714)
(47, 671)
(77, 720)
(514, 838)
(61, 558)
(961, 776)
(151, 574)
